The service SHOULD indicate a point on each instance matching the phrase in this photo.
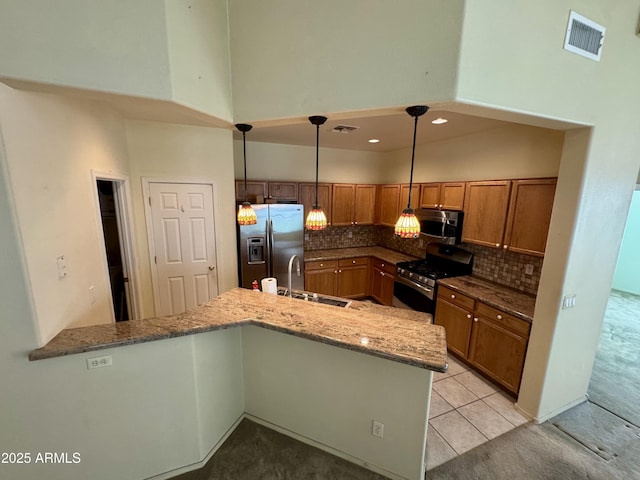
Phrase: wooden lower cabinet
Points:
(382, 278)
(353, 277)
(498, 352)
(492, 341)
(347, 278)
(457, 323)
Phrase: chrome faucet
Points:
(293, 257)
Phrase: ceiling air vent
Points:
(343, 129)
(584, 37)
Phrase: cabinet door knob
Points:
(339, 271)
(499, 317)
(383, 265)
(453, 296)
(353, 261)
(355, 223)
(335, 271)
(322, 264)
(468, 315)
(497, 245)
(212, 267)
(475, 319)
(382, 273)
(440, 205)
(505, 246)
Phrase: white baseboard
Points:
(558, 411)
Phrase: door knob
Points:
(212, 267)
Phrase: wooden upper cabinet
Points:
(529, 215)
(343, 204)
(255, 189)
(388, 204)
(429, 195)
(284, 191)
(445, 196)
(365, 205)
(485, 212)
(404, 198)
(452, 195)
(307, 197)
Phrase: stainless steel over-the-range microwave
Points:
(442, 225)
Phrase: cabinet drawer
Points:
(317, 265)
(455, 297)
(350, 262)
(510, 322)
(384, 266)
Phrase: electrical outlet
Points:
(377, 429)
(528, 269)
(97, 362)
(569, 301)
(92, 294)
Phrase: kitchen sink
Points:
(315, 297)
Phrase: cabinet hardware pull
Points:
(468, 315)
(497, 245)
(335, 271)
(499, 317)
(383, 265)
(339, 271)
(475, 319)
(382, 273)
(453, 296)
(353, 261)
(322, 264)
(505, 246)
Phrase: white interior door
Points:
(184, 241)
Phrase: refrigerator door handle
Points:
(268, 249)
(272, 253)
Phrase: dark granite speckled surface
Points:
(382, 253)
(399, 335)
(516, 303)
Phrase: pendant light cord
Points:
(413, 153)
(244, 148)
(317, 147)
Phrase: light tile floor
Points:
(466, 411)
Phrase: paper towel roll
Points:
(270, 285)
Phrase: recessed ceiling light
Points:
(439, 121)
(373, 140)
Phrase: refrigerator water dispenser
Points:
(255, 250)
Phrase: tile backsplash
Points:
(506, 268)
(496, 265)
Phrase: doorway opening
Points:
(110, 217)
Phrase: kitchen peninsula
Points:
(319, 373)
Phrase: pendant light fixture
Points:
(408, 225)
(246, 214)
(316, 220)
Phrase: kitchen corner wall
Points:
(496, 265)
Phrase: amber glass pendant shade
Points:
(246, 214)
(316, 220)
(407, 225)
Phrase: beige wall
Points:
(174, 152)
(293, 57)
(92, 45)
(524, 70)
(154, 50)
(514, 151)
(52, 144)
(274, 161)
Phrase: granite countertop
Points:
(402, 336)
(516, 303)
(382, 253)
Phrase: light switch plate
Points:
(569, 301)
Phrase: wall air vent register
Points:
(584, 37)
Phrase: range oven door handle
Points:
(426, 291)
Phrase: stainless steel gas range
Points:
(415, 284)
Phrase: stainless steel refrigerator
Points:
(265, 248)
